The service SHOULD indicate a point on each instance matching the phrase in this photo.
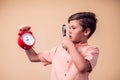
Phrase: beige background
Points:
(46, 19)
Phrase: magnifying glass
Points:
(64, 30)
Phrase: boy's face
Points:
(76, 33)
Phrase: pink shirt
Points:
(63, 67)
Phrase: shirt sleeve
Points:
(47, 56)
(92, 55)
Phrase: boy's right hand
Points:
(24, 28)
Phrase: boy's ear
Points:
(87, 31)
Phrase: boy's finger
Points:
(24, 28)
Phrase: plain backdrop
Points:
(46, 18)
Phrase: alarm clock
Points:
(26, 40)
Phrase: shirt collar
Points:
(83, 44)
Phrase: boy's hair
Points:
(86, 20)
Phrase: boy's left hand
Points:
(66, 43)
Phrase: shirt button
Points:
(65, 74)
(67, 61)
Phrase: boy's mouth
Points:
(70, 36)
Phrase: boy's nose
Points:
(70, 31)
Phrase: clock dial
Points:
(28, 39)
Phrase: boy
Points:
(73, 59)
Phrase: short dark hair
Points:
(86, 20)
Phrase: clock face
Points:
(28, 39)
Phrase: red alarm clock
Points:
(26, 40)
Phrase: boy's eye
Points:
(72, 27)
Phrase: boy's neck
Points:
(81, 42)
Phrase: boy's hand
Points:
(66, 43)
(24, 28)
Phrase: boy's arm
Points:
(80, 62)
(32, 55)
